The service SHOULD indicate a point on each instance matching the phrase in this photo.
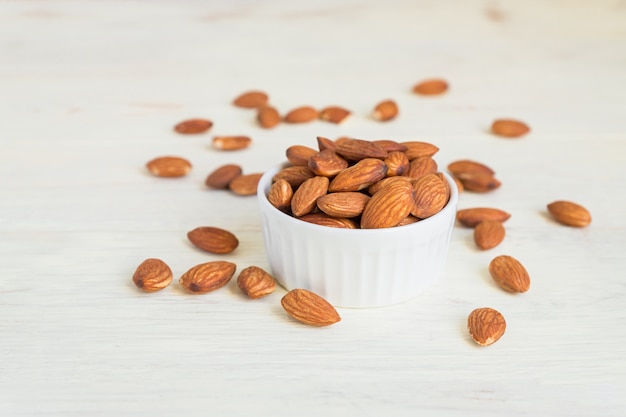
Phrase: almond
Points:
(294, 175)
(509, 274)
(390, 145)
(231, 143)
(299, 155)
(309, 308)
(385, 110)
(221, 177)
(466, 166)
(421, 165)
(213, 239)
(323, 219)
(431, 195)
(431, 86)
(478, 182)
(378, 185)
(488, 234)
(152, 275)
(359, 176)
(509, 128)
(357, 149)
(255, 282)
(445, 182)
(343, 204)
(207, 277)
(472, 216)
(397, 163)
(327, 163)
(325, 143)
(169, 166)
(193, 126)
(569, 213)
(251, 100)
(302, 114)
(410, 219)
(486, 325)
(268, 117)
(415, 149)
(389, 206)
(334, 114)
(245, 184)
(305, 197)
(280, 195)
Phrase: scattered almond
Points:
(466, 166)
(231, 143)
(221, 177)
(569, 213)
(472, 216)
(207, 277)
(268, 117)
(302, 114)
(479, 182)
(152, 275)
(509, 128)
(509, 274)
(486, 325)
(251, 100)
(385, 110)
(213, 239)
(169, 166)
(488, 234)
(193, 126)
(309, 308)
(255, 282)
(334, 114)
(432, 86)
(245, 184)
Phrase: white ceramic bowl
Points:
(355, 268)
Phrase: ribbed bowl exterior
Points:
(356, 268)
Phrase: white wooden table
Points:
(90, 91)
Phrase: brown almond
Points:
(359, 176)
(255, 282)
(431, 86)
(472, 216)
(343, 204)
(231, 143)
(302, 114)
(305, 197)
(410, 219)
(152, 275)
(334, 114)
(294, 175)
(323, 219)
(467, 166)
(421, 165)
(299, 154)
(397, 163)
(459, 184)
(213, 239)
(486, 325)
(415, 149)
(193, 126)
(357, 149)
(389, 206)
(251, 100)
(390, 145)
(385, 110)
(479, 183)
(488, 234)
(309, 308)
(280, 195)
(246, 184)
(325, 143)
(445, 182)
(378, 185)
(430, 196)
(327, 163)
(221, 177)
(569, 213)
(509, 274)
(509, 128)
(169, 166)
(207, 277)
(268, 117)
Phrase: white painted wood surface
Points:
(89, 92)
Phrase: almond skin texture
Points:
(359, 176)
(486, 325)
(509, 274)
(415, 149)
(569, 213)
(294, 175)
(193, 126)
(421, 166)
(327, 163)
(389, 206)
(488, 234)
(323, 219)
(397, 163)
(302, 114)
(334, 114)
(213, 239)
(379, 185)
(385, 110)
(509, 128)
(357, 149)
(245, 185)
(280, 195)
(221, 177)
(152, 275)
(431, 87)
(251, 100)
(431, 195)
(169, 167)
(255, 282)
(390, 145)
(325, 143)
(309, 308)
(346, 204)
(207, 277)
(268, 117)
(467, 166)
(231, 143)
(472, 216)
(305, 197)
(299, 155)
